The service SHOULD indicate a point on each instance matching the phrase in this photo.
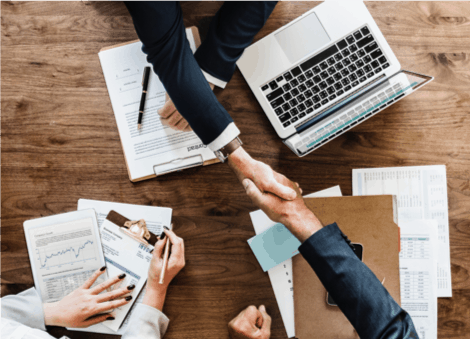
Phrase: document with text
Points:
(421, 194)
(155, 147)
(64, 250)
(418, 275)
(155, 218)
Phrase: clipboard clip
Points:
(137, 230)
(178, 164)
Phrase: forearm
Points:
(160, 27)
(25, 308)
(232, 30)
(155, 297)
(356, 290)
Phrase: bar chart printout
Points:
(65, 256)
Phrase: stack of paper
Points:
(155, 218)
(421, 194)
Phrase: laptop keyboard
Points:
(311, 85)
(351, 117)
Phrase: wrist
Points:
(155, 296)
(303, 225)
(239, 156)
(50, 317)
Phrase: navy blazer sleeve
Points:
(160, 27)
(231, 31)
(355, 289)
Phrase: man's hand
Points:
(293, 214)
(251, 323)
(170, 116)
(261, 174)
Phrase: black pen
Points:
(145, 82)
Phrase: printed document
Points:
(281, 275)
(123, 254)
(155, 218)
(421, 194)
(418, 275)
(155, 144)
(64, 250)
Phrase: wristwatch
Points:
(228, 149)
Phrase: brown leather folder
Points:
(368, 220)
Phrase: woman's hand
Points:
(155, 294)
(85, 306)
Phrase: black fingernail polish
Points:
(162, 236)
(122, 276)
(131, 287)
(102, 268)
(129, 298)
(110, 318)
(151, 251)
(166, 228)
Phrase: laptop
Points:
(324, 73)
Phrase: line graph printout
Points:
(64, 256)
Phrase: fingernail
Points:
(165, 227)
(122, 276)
(151, 251)
(129, 298)
(131, 287)
(262, 308)
(110, 318)
(102, 268)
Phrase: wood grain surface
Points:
(60, 143)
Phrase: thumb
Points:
(252, 191)
(266, 319)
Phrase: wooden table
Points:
(60, 143)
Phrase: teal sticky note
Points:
(274, 246)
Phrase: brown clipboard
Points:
(136, 230)
(197, 42)
(368, 220)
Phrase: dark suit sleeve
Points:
(231, 30)
(354, 288)
(160, 27)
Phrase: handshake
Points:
(276, 195)
(282, 201)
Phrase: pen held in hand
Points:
(145, 82)
(165, 260)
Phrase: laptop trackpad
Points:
(302, 38)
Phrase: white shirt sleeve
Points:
(214, 80)
(146, 322)
(24, 308)
(229, 133)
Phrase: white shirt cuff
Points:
(229, 133)
(214, 80)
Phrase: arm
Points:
(160, 27)
(231, 31)
(148, 320)
(83, 307)
(24, 308)
(354, 287)
(356, 290)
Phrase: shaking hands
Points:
(276, 195)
